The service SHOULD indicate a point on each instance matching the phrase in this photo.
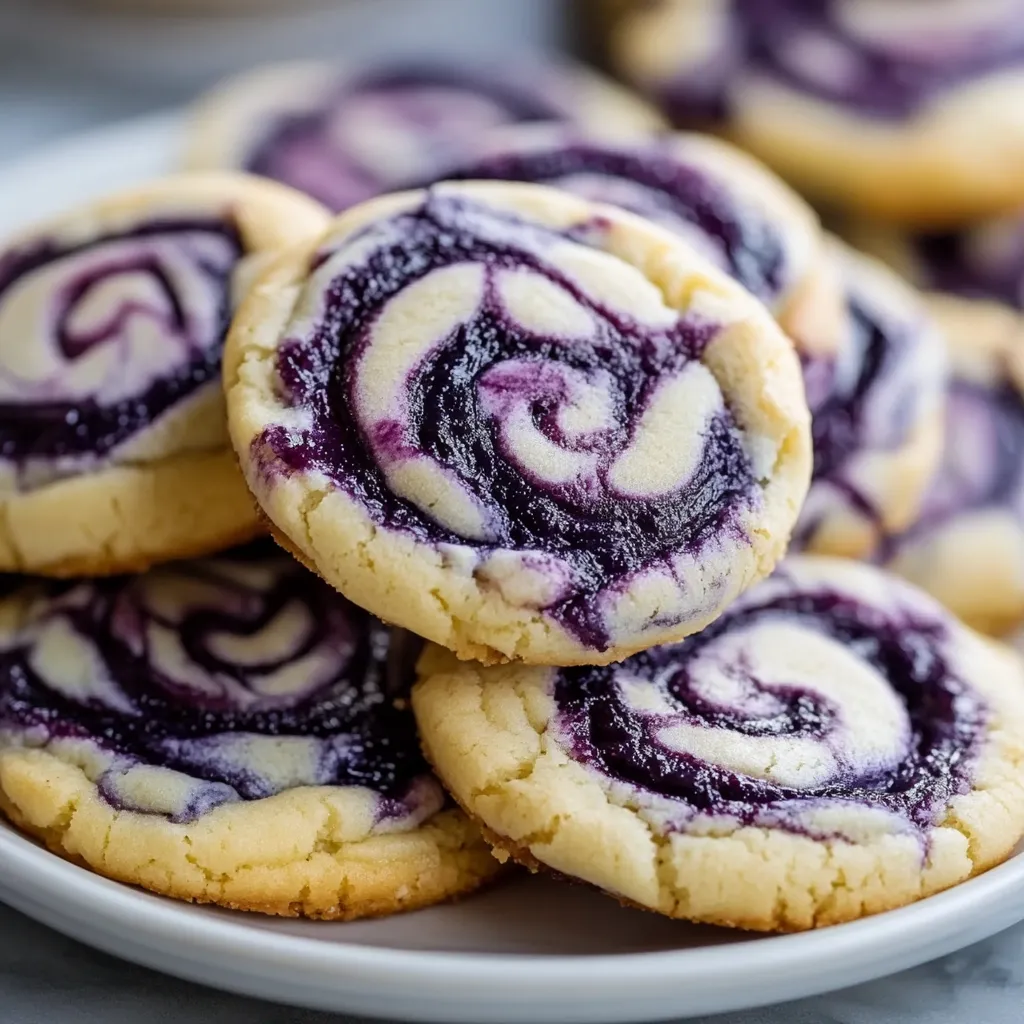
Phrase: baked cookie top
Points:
(835, 743)
(519, 423)
(882, 58)
(725, 203)
(112, 320)
(346, 134)
(214, 682)
(967, 544)
(876, 413)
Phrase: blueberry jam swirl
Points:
(547, 424)
(99, 340)
(882, 58)
(667, 183)
(210, 682)
(982, 465)
(867, 402)
(985, 262)
(812, 705)
(376, 131)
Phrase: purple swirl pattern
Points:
(378, 130)
(233, 678)
(463, 384)
(884, 59)
(983, 262)
(124, 328)
(868, 402)
(674, 182)
(822, 703)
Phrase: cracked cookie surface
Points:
(521, 424)
(229, 731)
(114, 452)
(835, 745)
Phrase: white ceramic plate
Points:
(529, 950)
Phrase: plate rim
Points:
(683, 981)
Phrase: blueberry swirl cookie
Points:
(113, 447)
(876, 414)
(967, 545)
(518, 423)
(345, 135)
(834, 745)
(228, 730)
(974, 276)
(723, 202)
(907, 110)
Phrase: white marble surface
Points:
(48, 979)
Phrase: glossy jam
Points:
(621, 740)
(658, 183)
(48, 419)
(604, 537)
(194, 666)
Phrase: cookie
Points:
(517, 423)
(967, 545)
(897, 108)
(976, 272)
(876, 414)
(225, 731)
(735, 211)
(835, 745)
(346, 134)
(113, 447)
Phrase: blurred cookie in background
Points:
(906, 110)
(345, 134)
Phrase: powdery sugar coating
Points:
(123, 328)
(513, 422)
(211, 682)
(883, 59)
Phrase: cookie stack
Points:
(558, 410)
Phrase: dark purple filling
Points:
(298, 149)
(885, 81)
(983, 460)
(946, 716)
(57, 429)
(380, 749)
(603, 538)
(949, 265)
(753, 249)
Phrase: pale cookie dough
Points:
(722, 201)
(344, 135)
(906, 110)
(876, 414)
(520, 424)
(967, 545)
(113, 448)
(225, 731)
(835, 745)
